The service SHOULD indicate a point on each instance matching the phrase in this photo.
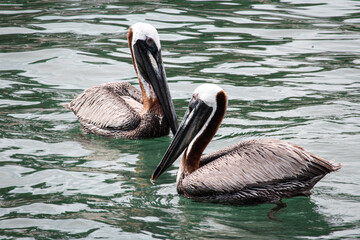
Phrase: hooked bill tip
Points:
(152, 180)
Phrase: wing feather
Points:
(110, 105)
(252, 163)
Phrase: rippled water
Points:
(291, 71)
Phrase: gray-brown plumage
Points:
(115, 109)
(252, 171)
(262, 170)
(120, 110)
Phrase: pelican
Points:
(249, 172)
(117, 109)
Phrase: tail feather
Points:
(66, 105)
(336, 166)
(328, 166)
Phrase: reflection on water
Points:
(291, 71)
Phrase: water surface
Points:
(291, 71)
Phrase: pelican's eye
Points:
(151, 46)
(150, 42)
(192, 103)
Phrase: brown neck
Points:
(191, 159)
(152, 105)
(130, 38)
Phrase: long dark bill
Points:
(194, 119)
(151, 67)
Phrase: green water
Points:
(291, 70)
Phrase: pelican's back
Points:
(262, 170)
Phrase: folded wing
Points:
(254, 163)
(110, 105)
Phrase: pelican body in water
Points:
(250, 172)
(118, 109)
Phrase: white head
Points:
(200, 123)
(144, 43)
(143, 31)
(207, 92)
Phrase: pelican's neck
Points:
(150, 101)
(191, 158)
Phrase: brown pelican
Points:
(117, 109)
(252, 171)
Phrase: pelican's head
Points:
(145, 32)
(144, 43)
(205, 112)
